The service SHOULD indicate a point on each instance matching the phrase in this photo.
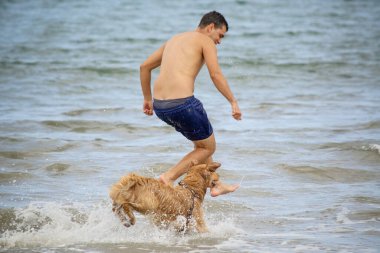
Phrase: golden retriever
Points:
(165, 204)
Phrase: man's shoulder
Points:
(193, 35)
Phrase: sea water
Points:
(307, 152)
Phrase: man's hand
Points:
(236, 114)
(148, 107)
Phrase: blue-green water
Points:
(306, 74)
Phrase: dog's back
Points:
(148, 195)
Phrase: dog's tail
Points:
(125, 183)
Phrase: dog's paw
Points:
(127, 223)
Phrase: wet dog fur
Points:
(163, 203)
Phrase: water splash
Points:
(52, 224)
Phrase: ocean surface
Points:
(307, 152)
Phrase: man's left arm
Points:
(146, 68)
(216, 75)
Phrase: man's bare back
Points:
(182, 59)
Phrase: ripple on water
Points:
(58, 167)
(330, 174)
(6, 177)
(100, 111)
(83, 126)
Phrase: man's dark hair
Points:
(213, 17)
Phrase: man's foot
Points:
(221, 189)
(162, 178)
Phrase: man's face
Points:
(217, 34)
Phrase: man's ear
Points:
(213, 166)
(210, 27)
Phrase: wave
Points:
(9, 139)
(82, 126)
(252, 34)
(13, 176)
(14, 154)
(281, 106)
(65, 66)
(136, 41)
(52, 224)
(330, 174)
(372, 147)
(93, 111)
(358, 146)
(366, 200)
(8, 64)
(107, 70)
(248, 61)
(284, 34)
(371, 125)
(62, 148)
(58, 167)
(37, 148)
(365, 215)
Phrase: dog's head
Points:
(207, 172)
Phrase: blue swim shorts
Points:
(189, 118)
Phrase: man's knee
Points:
(207, 144)
(210, 149)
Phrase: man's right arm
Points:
(217, 77)
(146, 68)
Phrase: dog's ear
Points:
(213, 166)
(205, 174)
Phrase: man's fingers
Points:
(236, 115)
(148, 108)
(148, 112)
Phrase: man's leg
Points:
(202, 153)
(203, 149)
(221, 188)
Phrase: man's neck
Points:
(200, 30)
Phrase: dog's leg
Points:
(118, 209)
(128, 211)
(199, 220)
(121, 210)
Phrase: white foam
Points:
(372, 147)
(52, 224)
(375, 147)
(342, 216)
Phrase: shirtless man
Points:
(181, 59)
